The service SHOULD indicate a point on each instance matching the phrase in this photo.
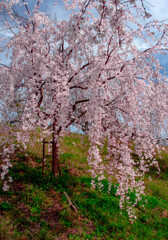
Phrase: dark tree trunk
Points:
(55, 160)
(43, 155)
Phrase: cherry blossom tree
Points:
(89, 69)
(125, 87)
(6, 147)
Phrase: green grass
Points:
(35, 207)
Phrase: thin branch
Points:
(76, 86)
(5, 65)
(27, 9)
(73, 120)
(87, 64)
(111, 102)
(72, 206)
(80, 101)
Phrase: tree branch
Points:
(80, 101)
(87, 64)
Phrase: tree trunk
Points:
(55, 160)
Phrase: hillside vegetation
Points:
(36, 206)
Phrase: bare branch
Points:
(87, 64)
(80, 101)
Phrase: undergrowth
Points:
(36, 207)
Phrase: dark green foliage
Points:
(22, 173)
(5, 206)
(65, 156)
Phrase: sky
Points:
(159, 9)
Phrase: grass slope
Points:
(36, 208)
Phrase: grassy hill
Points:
(36, 206)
